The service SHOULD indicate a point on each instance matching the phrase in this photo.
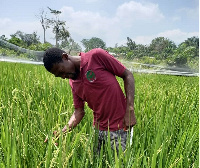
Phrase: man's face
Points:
(65, 69)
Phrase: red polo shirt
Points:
(97, 85)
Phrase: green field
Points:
(34, 103)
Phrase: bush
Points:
(150, 60)
(40, 46)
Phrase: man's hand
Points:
(74, 120)
(56, 134)
(64, 129)
(46, 139)
(129, 119)
(129, 87)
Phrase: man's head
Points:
(58, 63)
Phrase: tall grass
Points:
(34, 103)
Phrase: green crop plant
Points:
(34, 103)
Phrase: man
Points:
(92, 80)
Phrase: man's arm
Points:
(129, 86)
(75, 119)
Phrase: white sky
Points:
(111, 20)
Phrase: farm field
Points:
(34, 103)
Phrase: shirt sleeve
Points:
(110, 63)
(78, 102)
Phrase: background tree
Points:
(131, 44)
(3, 37)
(94, 42)
(187, 52)
(24, 40)
(193, 42)
(16, 41)
(141, 51)
(179, 57)
(161, 47)
(70, 45)
(61, 33)
(44, 22)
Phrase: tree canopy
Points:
(94, 42)
(61, 33)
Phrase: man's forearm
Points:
(75, 119)
(129, 86)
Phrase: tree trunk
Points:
(44, 35)
(56, 36)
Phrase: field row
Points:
(34, 103)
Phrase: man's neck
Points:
(76, 60)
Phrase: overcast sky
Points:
(111, 20)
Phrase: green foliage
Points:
(94, 42)
(70, 45)
(131, 44)
(24, 40)
(193, 41)
(193, 64)
(16, 41)
(150, 60)
(3, 37)
(58, 26)
(161, 48)
(130, 55)
(141, 51)
(11, 53)
(40, 46)
(34, 103)
(185, 54)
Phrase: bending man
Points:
(92, 77)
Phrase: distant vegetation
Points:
(161, 50)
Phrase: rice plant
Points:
(34, 103)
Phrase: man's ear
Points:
(64, 56)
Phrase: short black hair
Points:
(52, 56)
